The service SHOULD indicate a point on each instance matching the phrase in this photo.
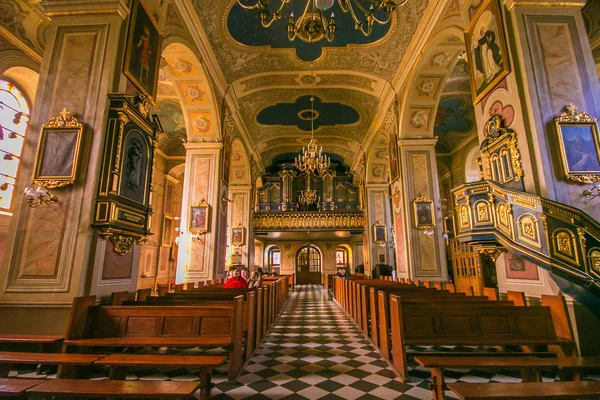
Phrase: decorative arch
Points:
(240, 172)
(182, 79)
(272, 258)
(25, 77)
(309, 264)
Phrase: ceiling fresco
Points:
(245, 27)
(300, 114)
(273, 139)
(171, 118)
(237, 61)
(454, 122)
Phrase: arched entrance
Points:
(308, 265)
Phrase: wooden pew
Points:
(491, 293)
(143, 294)
(9, 358)
(526, 390)
(119, 363)
(82, 388)
(517, 297)
(438, 364)
(250, 308)
(17, 387)
(470, 325)
(46, 343)
(156, 326)
(421, 299)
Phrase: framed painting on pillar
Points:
(393, 157)
(238, 236)
(486, 50)
(142, 53)
(423, 213)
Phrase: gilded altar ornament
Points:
(122, 243)
(493, 252)
(579, 142)
(594, 257)
(58, 152)
(500, 152)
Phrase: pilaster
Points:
(425, 252)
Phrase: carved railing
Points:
(313, 220)
(555, 236)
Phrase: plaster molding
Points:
(510, 4)
(428, 142)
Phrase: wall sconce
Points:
(592, 193)
(37, 195)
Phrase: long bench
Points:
(527, 390)
(530, 366)
(89, 389)
(472, 325)
(156, 326)
(17, 387)
(251, 308)
(9, 358)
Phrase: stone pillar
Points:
(378, 211)
(198, 258)
(553, 66)
(52, 254)
(425, 251)
(240, 216)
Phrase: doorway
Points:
(308, 265)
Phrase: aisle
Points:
(314, 351)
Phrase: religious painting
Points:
(579, 145)
(487, 52)
(58, 152)
(168, 206)
(379, 233)
(199, 218)
(142, 54)
(167, 232)
(423, 212)
(238, 236)
(393, 156)
(135, 167)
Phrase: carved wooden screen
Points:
(466, 266)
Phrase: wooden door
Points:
(466, 264)
(308, 266)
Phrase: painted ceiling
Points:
(245, 27)
(267, 72)
(301, 115)
(171, 118)
(454, 120)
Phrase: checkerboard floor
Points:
(314, 351)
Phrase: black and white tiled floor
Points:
(314, 351)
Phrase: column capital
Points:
(404, 142)
(510, 4)
(66, 8)
(203, 145)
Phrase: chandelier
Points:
(311, 160)
(312, 26)
(308, 196)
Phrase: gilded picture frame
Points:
(487, 52)
(238, 236)
(393, 158)
(579, 145)
(423, 213)
(199, 218)
(142, 53)
(59, 148)
(379, 233)
(167, 231)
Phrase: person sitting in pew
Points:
(236, 281)
(245, 275)
(254, 281)
(342, 273)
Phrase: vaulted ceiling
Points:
(266, 71)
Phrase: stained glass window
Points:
(14, 117)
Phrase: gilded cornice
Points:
(23, 25)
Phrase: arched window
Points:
(14, 117)
(341, 257)
(274, 259)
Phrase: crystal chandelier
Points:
(308, 196)
(311, 160)
(312, 26)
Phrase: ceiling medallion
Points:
(308, 115)
(312, 26)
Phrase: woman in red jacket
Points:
(236, 281)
